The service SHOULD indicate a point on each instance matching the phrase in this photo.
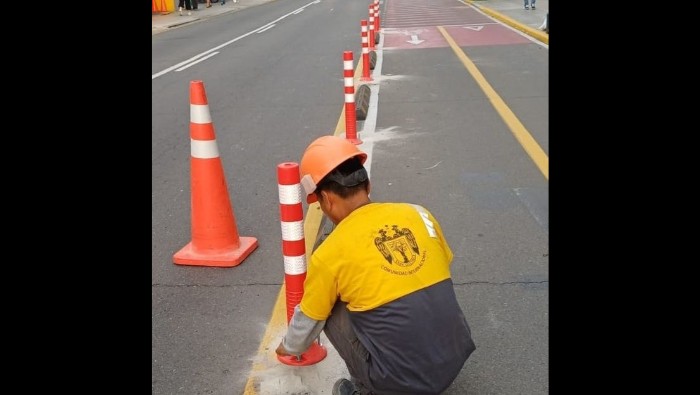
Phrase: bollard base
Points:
(316, 353)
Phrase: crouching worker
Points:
(379, 285)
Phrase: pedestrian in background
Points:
(532, 4)
(379, 285)
(186, 4)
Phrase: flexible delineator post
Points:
(365, 52)
(371, 27)
(294, 253)
(376, 16)
(350, 115)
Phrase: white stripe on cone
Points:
(199, 113)
(204, 149)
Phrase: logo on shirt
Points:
(398, 246)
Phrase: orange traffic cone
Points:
(215, 239)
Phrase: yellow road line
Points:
(277, 319)
(521, 134)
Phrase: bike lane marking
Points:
(517, 128)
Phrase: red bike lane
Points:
(413, 25)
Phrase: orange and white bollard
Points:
(365, 52)
(371, 26)
(376, 16)
(350, 114)
(294, 253)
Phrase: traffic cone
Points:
(215, 239)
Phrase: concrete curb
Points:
(362, 97)
(170, 20)
(537, 34)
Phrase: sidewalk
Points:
(514, 14)
(510, 12)
(161, 22)
(515, 10)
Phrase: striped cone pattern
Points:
(215, 239)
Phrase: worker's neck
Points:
(349, 205)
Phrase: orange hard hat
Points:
(320, 158)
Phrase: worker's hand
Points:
(282, 351)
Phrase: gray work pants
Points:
(339, 331)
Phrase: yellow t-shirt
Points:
(377, 254)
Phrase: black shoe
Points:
(533, 6)
(344, 387)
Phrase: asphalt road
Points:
(459, 142)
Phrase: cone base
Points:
(230, 258)
(315, 354)
(355, 141)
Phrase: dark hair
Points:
(347, 179)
